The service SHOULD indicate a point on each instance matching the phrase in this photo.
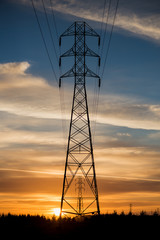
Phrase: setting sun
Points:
(56, 211)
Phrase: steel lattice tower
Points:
(80, 188)
(79, 158)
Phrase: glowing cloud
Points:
(14, 68)
(27, 95)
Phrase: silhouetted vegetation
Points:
(107, 226)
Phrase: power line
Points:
(32, 1)
(54, 20)
(101, 26)
(55, 26)
(50, 32)
(104, 36)
(109, 43)
(109, 6)
(103, 17)
(95, 101)
(96, 97)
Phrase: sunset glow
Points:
(56, 212)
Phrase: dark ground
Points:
(108, 226)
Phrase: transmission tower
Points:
(80, 188)
(79, 158)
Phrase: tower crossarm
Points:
(88, 31)
(71, 52)
(72, 72)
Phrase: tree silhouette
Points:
(109, 225)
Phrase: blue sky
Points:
(127, 132)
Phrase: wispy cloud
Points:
(30, 96)
(129, 112)
(25, 94)
(36, 172)
(130, 17)
(142, 26)
(14, 68)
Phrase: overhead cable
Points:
(39, 25)
(54, 20)
(50, 32)
(109, 43)
(106, 26)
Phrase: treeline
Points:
(107, 226)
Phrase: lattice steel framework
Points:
(79, 158)
(80, 188)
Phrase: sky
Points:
(35, 114)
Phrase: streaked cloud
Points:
(41, 193)
(143, 26)
(130, 16)
(129, 112)
(25, 95)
